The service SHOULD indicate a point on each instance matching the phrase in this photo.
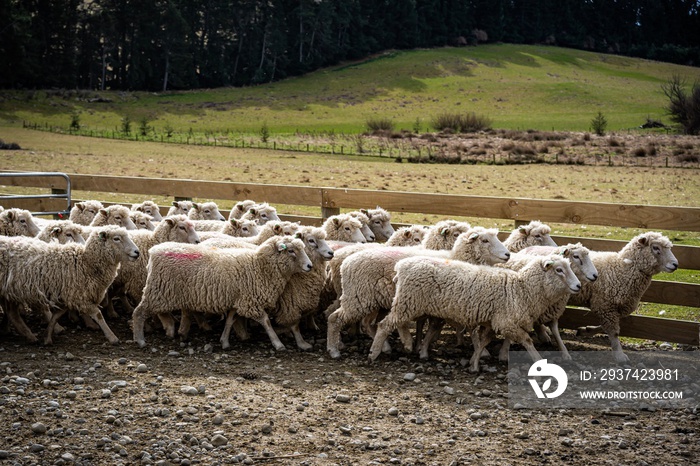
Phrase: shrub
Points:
(599, 124)
(144, 127)
(379, 124)
(9, 145)
(126, 125)
(639, 152)
(461, 123)
(683, 108)
(75, 121)
(264, 133)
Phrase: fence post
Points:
(327, 211)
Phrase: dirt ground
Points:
(83, 401)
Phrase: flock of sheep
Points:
(194, 264)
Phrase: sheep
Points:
(262, 213)
(83, 212)
(267, 231)
(62, 232)
(443, 234)
(623, 278)
(366, 277)
(343, 227)
(233, 227)
(205, 211)
(132, 275)
(67, 276)
(180, 208)
(500, 300)
(231, 282)
(410, 235)
(585, 271)
(240, 208)
(113, 215)
(379, 223)
(149, 208)
(534, 233)
(17, 222)
(364, 220)
(301, 296)
(141, 220)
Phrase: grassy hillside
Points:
(516, 86)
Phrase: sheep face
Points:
(180, 208)
(262, 213)
(205, 211)
(66, 233)
(444, 234)
(142, 221)
(315, 241)
(240, 208)
(117, 239)
(293, 248)
(85, 212)
(379, 223)
(581, 263)
(364, 220)
(18, 222)
(180, 229)
(244, 228)
(655, 252)
(537, 234)
(114, 215)
(150, 208)
(484, 245)
(561, 268)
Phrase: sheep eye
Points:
(347, 228)
(22, 221)
(484, 241)
(181, 227)
(117, 239)
(263, 215)
(207, 211)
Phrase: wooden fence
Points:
(330, 201)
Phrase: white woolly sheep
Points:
(84, 212)
(231, 282)
(262, 213)
(149, 208)
(233, 227)
(265, 232)
(180, 208)
(65, 276)
(343, 227)
(410, 235)
(367, 277)
(534, 233)
(379, 223)
(132, 275)
(301, 296)
(499, 300)
(17, 222)
(443, 234)
(623, 278)
(581, 264)
(240, 208)
(141, 220)
(113, 215)
(205, 211)
(62, 232)
(364, 220)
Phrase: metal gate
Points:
(56, 193)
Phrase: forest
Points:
(161, 45)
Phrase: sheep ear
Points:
(548, 265)
(80, 205)
(103, 236)
(176, 204)
(336, 221)
(171, 221)
(643, 240)
(104, 212)
(195, 205)
(10, 215)
(56, 230)
(277, 229)
(407, 233)
(565, 253)
(473, 237)
(299, 235)
(281, 247)
(235, 222)
(444, 232)
(522, 230)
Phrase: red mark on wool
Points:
(186, 256)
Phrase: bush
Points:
(264, 133)
(126, 125)
(683, 108)
(375, 125)
(9, 145)
(144, 127)
(599, 124)
(461, 123)
(75, 121)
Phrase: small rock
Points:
(21, 381)
(219, 440)
(345, 430)
(141, 368)
(475, 416)
(567, 442)
(4, 454)
(208, 348)
(449, 390)
(218, 420)
(266, 429)
(519, 406)
(36, 448)
(393, 411)
(522, 435)
(69, 356)
(409, 377)
(122, 361)
(69, 457)
(623, 445)
(71, 394)
(39, 428)
(189, 390)
(173, 354)
(530, 451)
(343, 398)
(106, 393)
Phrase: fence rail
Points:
(331, 200)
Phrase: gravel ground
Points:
(82, 401)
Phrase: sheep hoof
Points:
(386, 348)
(621, 358)
(280, 347)
(305, 346)
(334, 354)
(58, 329)
(566, 356)
(141, 343)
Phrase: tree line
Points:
(159, 45)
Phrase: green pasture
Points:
(516, 86)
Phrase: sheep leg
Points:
(13, 317)
(265, 322)
(611, 326)
(503, 353)
(334, 306)
(405, 337)
(108, 306)
(185, 323)
(521, 336)
(420, 323)
(384, 328)
(433, 333)
(202, 321)
(47, 314)
(370, 328)
(168, 322)
(481, 337)
(230, 317)
(89, 323)
(554, 327)
(138, 321)
(94, 313)
(240, 328)
(301, 343)
(48, 339)
(541, 331)
(336, 322)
